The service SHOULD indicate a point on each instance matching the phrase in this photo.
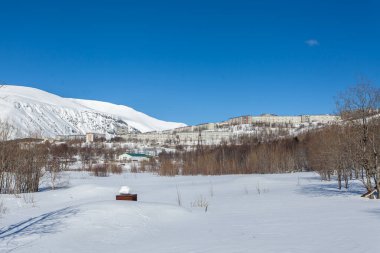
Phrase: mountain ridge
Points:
(34, 111)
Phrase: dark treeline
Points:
(348, 151)
(21, 168)
(251, 155)
(24, 162)
(351, 150)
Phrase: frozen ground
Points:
(292, 213)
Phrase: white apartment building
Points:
(216, 133)
(182, 138)
(275, 119)
(71, 137)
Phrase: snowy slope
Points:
(33, 111)
(134, 118)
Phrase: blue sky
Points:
(193, 61)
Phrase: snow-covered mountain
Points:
(33, 111)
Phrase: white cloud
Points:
(312, 42)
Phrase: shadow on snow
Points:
(330, 189)
(48, 188)
(44, 224)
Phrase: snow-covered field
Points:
(245, 213)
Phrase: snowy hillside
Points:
(138, 120)
(33, 111)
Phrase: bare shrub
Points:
(200, 202)
(152, 166)
(100, 170)
(168, 167)
(179, 197)
(29, 198)
(260, 189)
(3, 208)
(54, 170)
(115, 168)
(211, 190)
(21, 162)
(134, 168)
(246, 190)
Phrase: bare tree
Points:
(359, 106)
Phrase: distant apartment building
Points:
(216, 133)
(322, 118)
(185, 129)
(205, 126)
(246, 119)
(208, 137)
(223, 124)
(71, 137)
(197, 128)
(92, 137)
(275, 119)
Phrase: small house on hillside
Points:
(133, 157)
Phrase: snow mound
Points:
(124, 190)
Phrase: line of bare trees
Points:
(20, 166)
(351, 150)
(25, 162)
(250, 156)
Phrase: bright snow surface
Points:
(293, 213)
(33, 111)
